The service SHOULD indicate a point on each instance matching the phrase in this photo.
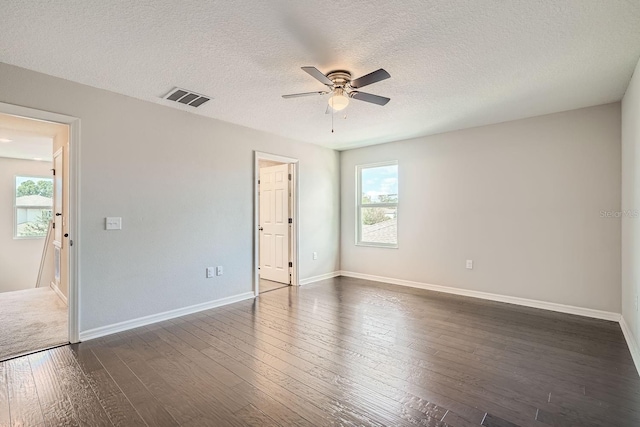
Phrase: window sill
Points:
(377, 245)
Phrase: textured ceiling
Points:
(453, 64)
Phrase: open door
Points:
(61, 213)
(274, 223)
(58, 212)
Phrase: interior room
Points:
(325, 213)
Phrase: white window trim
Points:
(359, 205)
(15, 207)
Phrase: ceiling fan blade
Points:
(298, 95)
(317, 74)
(367, 97)
(370, 78)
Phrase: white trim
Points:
(631, 343)
(159, 317)
(75, 275)
(319, 278)
(274, 157)
(258, 155)
(295, 229)
(58, 292)
(569, 309)
(74, 202)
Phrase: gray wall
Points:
(19, 258)
(631, 202)
(522, 199)
(183, 185)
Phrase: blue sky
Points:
(380, 180)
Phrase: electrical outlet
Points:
(219, 270)
(315, 255)
(470, 264)
(210, 272)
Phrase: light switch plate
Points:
(219, 270)
(113, 223)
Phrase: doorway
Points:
(276, 218)
(38, 297)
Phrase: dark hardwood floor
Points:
(338, 352)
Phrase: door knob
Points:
(66, 234)
(58, 214)
(260, 229)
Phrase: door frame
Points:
(74, 202)
(295, 214)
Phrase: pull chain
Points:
(333, 113)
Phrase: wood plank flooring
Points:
(338, 352)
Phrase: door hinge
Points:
(53, 171)
(289, 177)
(258, 182)
(290, 220)
(53, 225)
(290, 264)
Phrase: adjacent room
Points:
(34, 305)
(320, 213)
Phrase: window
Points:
(33, 204)
(377, 205)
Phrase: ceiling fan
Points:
(342, 88)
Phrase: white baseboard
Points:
(154, 318)
(580, 311)
(320, 277)
(631, 342)
(58, 292)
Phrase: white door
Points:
(274, 223)
(58, 214)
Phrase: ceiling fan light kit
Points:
(339, 100)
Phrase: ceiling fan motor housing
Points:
(340, 78)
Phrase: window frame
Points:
(15, 206)
(360, 205)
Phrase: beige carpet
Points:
(30, 320)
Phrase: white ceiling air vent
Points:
(186, 97)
